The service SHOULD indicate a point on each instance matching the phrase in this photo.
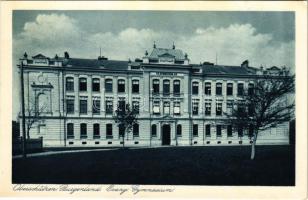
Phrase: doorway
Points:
(166, 130)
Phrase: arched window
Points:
(109, 131)
(218, 88)
(121, 85)
(155, 86)
(82, 84)
(154, 130)
(179, 130)
(136, 130)
(95, 85)
(207, 89)
(108, 85)
(166, 87)
(70, 130)
(83, 130)
(240, 89)
(96, 131)
(230, 89)
(69, 84)
(176, 87)
(195, 87)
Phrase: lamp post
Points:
(24, 143)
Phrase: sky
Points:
(263, 38)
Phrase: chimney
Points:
(245, 63)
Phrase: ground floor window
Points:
(179, 130)
(218, 130)
(96, 132)
(208, 130)
(229, 130)
(121, 130)
(109, 131)
(240, 131)
(136, 130)
(70, 131)
(83, 131)
(195, 130)
(154, 130)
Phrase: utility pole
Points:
(24, 143)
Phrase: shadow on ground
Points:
(219, 165)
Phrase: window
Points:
(251, 109)
(70, 131)
(155, 86)
(83, 130)
(135, 86)
(167, 108)
(121, 85)
(179, 130)
(218, 89)
(96, 132)
(250, 131)
(195, 88)
(121, 130)
(207, 89)
(95, 85)
(229, 130)
(154, 130)
(121, 105)
(83, 106)
(136, 130)
(241, 107)
(208, 130)
(109, 131)
(166, 87)
(240, 131)
(96, 107)
(69, 84)
(240, 89)
(195, 108)
(229, 106)
(156, 107)
(82, 84)
(208, 108)
(108, 85)
(195, 130)
(218, 130)
(70, 106)
(230, 89)
(176, 87)
(136, 106)
(250, 89)
(218, 108)
(109, 107)
(177, 108)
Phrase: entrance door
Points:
(166, 135)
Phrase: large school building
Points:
(179, 103)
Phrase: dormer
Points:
(40, 59)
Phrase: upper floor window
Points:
(156, 107)
(240, 89)
(108, 85)
(154, 130)
(195, 88)
(136, 106)
(250, 89)
(82, 84)
(251, 109)
(208, 106)
(218, 88)
(176, 87)
(109, 131)
(167, 108)
(70, 131)
(195, 108)
(83, 106)
(96, 107)
(69, 84)
(96, 132)
(179, 130)
(135, 86)
(230, 89)
(208, 130)
(207, 89)
(95, 84)
(218, 130)
(156, 86)
(218, 108)
(230, 106)
(166, 87)
(177, 108)
(70, 106)
(136, 130)
(195, 130)
(83, 130)
(121, 85)
(121, 105)
(109, 107)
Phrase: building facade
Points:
(179, 103)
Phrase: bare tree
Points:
(265, 105)
(33, 115)
(125, 117)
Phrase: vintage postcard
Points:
(154, 99)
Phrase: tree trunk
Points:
(28, 134)
(253, 147)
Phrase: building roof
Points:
(223, 69)
(159, 52)
(95, 63)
